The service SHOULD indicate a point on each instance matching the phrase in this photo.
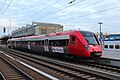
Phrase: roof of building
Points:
(46, 24)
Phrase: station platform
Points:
(111, 54)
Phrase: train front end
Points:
(93, 48)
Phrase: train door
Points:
(46, 44)
(72, 44)
(15, 45)
(29, 47)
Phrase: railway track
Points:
(11, 72)
(68, 73)
(74, 71)
(35, 73)
(1, 76)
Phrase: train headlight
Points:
(87, 47)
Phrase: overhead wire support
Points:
(3, 5)
(71, 1)
(60, 9)
(6, 7)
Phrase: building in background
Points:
(45, 28)
(37, 28)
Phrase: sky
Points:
(72, 14)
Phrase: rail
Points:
(100, 72)
(2, 77)
(78, 67)
(27, 77)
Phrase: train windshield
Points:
(90, 37)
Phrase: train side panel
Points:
(77, 43)
(73, 43)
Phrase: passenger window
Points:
(117, 46)
(42, 43)
(111, 46)
(117, 38)
(59, 42)
(105, 46)
(66, 42)
(51, 43)
(73, 40)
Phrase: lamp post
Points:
(100, 33)
(9, 28)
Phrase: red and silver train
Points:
(76, 43)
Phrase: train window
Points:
(64, 42)
(42, 42)
(90, 37)
(39, 43)
(32, 43)
(51, 43)
(105, 46)
(18, 42)
(7, 41)
(117, 46)
(73, 39)
(117, 38)
(111, 46)
(24, 42)
(59, 42)
(111, 38)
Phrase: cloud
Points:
(21, 11)
(4, 22)
(94, 16)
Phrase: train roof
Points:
(114, 35)
(52, 34)
(86, 31)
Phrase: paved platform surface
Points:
(111, 54)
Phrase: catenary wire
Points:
(96, 12)
(43, 9)
(7, 7)
(88, 6)
(60, 9)
(56, 10)
(3, 5)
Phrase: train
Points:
(112, 42)
(83, 44)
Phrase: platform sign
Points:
(58, 49)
